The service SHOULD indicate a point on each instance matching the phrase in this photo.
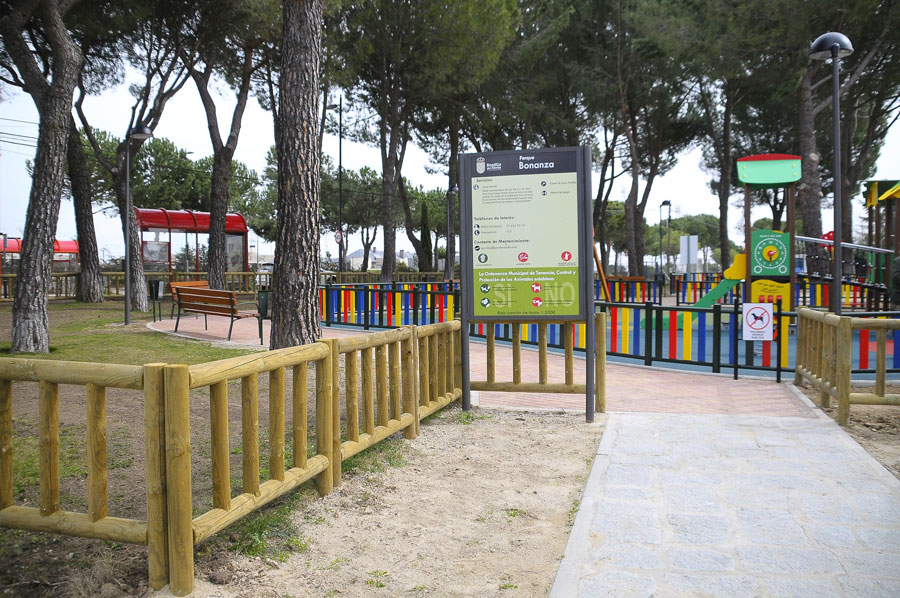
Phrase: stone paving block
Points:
(628, 493)
(687, 499)
(713, 586)
(869, 587)
(616, 584)
(699, 559)
(699, 529)
(626, 522)
(869, 563)
(802, 587)
(628, 475)
(881, 538)
(878, 509)
(832, 536)
(828, 508)
(655, 461)
(785, 560)
(770, 526)
(627, 556)
(689, 478)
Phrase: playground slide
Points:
(716, 293)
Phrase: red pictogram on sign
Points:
(536, 287)
(537, 302)
(566, 256)
(523, 257)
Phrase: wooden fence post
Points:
(155, 456)
(178, 474)
(221, 470)
(299, 414)
(276, 424)
(49, 446)
(337, 460)
(96, 451)
(600, 366)
(410, 404)
(844, 340)
(6, 464)
(325, 480)
(801, 349)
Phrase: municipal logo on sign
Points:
(479, 165)
(523, 257)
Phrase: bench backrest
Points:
(209, 301)
(175, 287)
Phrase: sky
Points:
(184, 123)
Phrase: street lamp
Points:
(835, 45)
(137, 133)
(665, 202)
(449, 259)
(340, 183)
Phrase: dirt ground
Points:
(875, 427)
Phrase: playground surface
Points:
(705, 486)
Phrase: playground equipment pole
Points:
(665, 202)
(835, 46)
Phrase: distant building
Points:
(376, 259)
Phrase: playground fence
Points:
(391, 402)
(824, 357)
(808, 292)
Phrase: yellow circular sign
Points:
(770, 253)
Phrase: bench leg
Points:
(177, 320)
(230, 326)
(260, 330)
(205, 323)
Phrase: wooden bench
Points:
(211, 302)
(187, 284)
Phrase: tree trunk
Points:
(726, 163)
(409, 226)
(453, 176)
(30, 323)
(90, 286)
(218, 207)
(810, 188)
(295, 309)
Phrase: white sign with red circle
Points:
(758, 322)
(338, 237)
(523, 257)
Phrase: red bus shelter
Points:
(65, 255)
(165, 224)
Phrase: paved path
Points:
(713, 505)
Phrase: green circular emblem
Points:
(770, 256)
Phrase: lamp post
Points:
(340, 183)
(665, 202)
(137, 133)
(835, 45)
(448, 259)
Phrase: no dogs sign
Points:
(758, 322)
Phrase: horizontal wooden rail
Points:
(350, 447)
(72, 372)
(205, 374)
(211, 522)
(113, 529)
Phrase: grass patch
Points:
(467, 417)
(508, 586)
(377, 577)
(90, 332)
(271, 531)
(512, 513)
(27, 459)
(375, 459)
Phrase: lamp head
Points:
(665, 202)
(454, 189)
(140, 132)
(822, 47)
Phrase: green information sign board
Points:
(771, 255)
(523, 242)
